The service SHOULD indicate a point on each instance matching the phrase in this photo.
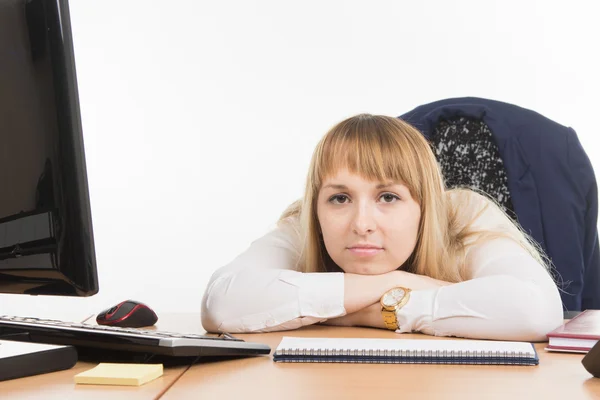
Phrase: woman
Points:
(378, 241)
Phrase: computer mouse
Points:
(129, 314)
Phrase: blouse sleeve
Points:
(261, 290)
(509, 296)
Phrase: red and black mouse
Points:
(128, 314)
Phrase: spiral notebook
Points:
(405, 351)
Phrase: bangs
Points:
(372, 147)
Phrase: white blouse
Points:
(509, 295)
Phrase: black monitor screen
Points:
(46, 239)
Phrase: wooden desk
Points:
(559, 376)
(60, 385)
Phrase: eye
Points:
(389, 198)
(338, 199)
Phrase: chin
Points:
(365, 269)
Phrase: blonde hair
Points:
(383, 149)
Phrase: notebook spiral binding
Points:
(404, 356)
(399, 353)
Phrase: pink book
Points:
(578, 335)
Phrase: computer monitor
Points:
(46, 237)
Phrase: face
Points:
(369, 228)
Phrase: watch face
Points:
(393, 297)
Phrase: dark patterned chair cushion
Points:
(469, 157)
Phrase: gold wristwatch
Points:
(392, 301)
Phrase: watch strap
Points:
(389, 319)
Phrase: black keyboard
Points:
(129, 340)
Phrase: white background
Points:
(200, 117)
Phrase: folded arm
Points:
(261, 290)
(509, 297)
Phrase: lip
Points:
(365, 250)
(365, 246)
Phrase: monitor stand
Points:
(22, 358)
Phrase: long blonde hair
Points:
(382, 148)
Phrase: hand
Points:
(346, 320)
(362, 291)
(416, 282)
(369, 316)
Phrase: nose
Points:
(363, 222)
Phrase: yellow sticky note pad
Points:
(120, 374)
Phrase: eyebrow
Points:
(344, 187)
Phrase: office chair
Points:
(538, 172)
